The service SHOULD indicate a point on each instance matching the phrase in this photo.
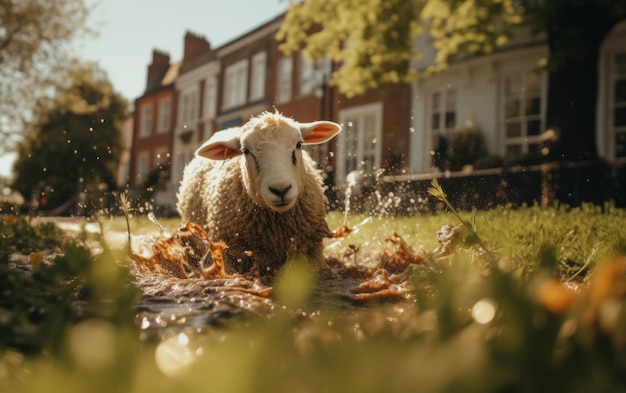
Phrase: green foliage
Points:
(373, 40)
(34, 50)
(480, 321)
(58, 284)
(74, 140)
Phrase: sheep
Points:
(255, 189)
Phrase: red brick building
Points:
(154, 120)
(217, 88)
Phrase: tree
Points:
(35, 37)
(373, 40)
(74, 139)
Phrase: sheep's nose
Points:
(280, 191)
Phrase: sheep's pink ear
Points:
(319, 131)
(222, 145)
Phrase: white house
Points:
(504, 95)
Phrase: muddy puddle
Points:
(185, 285)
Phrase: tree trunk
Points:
(574, 39)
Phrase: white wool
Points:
(256, 190)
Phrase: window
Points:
(142, 167)
(145, 121)
(257, 86)
(161, 158)
(618, 103)
(283, 90)
(189, 108)
(165, 113)
(442, 117)
(308, 80)
(235, 84)
(211, 98)
(359, 142)
(523, 113)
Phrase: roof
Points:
(165, 79)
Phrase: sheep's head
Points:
(271, 150)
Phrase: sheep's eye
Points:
(245, 151)
(299, 145)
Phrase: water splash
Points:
(352, 182)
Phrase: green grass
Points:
(480, 321)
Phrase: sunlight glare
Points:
(484, 310)
(174, 355)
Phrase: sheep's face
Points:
(274, 172)
(272, 164)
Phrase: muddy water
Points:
(183, 289)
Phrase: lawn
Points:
(525, 299)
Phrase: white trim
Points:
(246, 41)
(605, 135)
(232, 97)
(194, 76)
(358, 113)
(164, 115)
(284, 79)
(145, 120)
(258, 76)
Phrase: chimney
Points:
(160, 64)
(195, 45)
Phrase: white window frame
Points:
(524, 140)
(309, 79)
(145, 121)
(211, 98)
(258, 76)
(613, 104)
(438, 122)
(284, 79)
(189, 107)
(165, 114)
(235, 84)
(143, 167)
(354, 120)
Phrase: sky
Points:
(128, 31)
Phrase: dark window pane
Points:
(620, 144)
(534, 127)
(450, 119)
(620, 63)
(533, 106)
(620, 117)
(513, 130)
(436, 100)
(434, 121)
(513, 150)
(512, 108)
(533, 149)
(620, 90)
